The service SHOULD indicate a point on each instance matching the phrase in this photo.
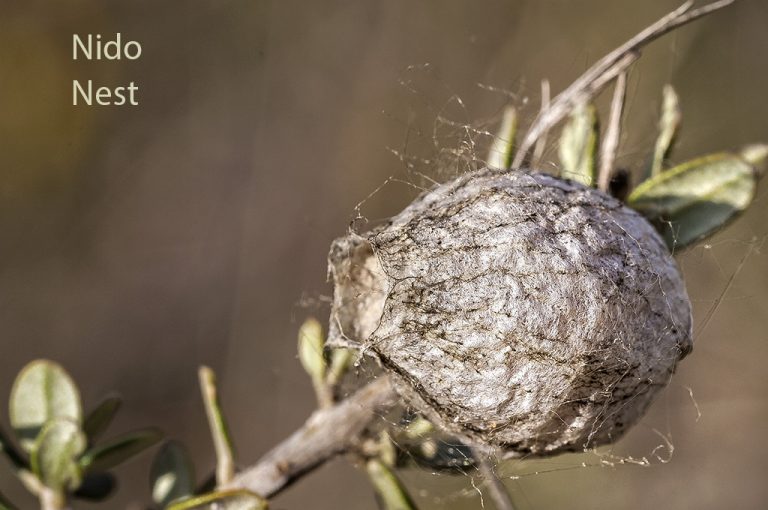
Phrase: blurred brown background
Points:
(139, 242)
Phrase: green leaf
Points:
(116, 451)
(503, 146)
(668, 126)
(694, 199)
(96, 487)
(9, 449)
(99, 419)
(578, 145)
(222, 442)
(43, 391)
(172, 474)
(54, 456)
(755, 154)
(341, 359)
(444, 455)
(222, 500)
(311, 343)
(418, 428)
(390, 492)
(5, 504)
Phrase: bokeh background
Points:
(139, 242)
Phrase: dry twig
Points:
(605, 70)
(612, 134)
(325, 434)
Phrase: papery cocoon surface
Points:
(516, 309)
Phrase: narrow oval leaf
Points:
(54, 457)
(96, 487)
(755, 155)
(116, 451)
(222, 500)
(5, 503)
(418, 428)
(578, 145)
(9, 449)
(98, 420)
(311, 343)
(438, 454)
(341, 360)
(390, 492)
(172, 474)
(668, 126)
(694, 199)
(503, 147)
(42, 392)
(222, 441)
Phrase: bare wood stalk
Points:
(225, 462)
(612, 134)
(541, 142)
(496, 489)
(52, 500)
(327, 433)
(607, 68)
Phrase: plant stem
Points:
(605, 70)
(612, 134)
(324, 435)
(52, 500)
(225, 463)
(496, 489)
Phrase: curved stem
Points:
(324, 435)
(52, 500)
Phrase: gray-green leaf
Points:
(96, 486)
(10, 451)
(391, 493)
(755, 154)
(694, 199)
(99, 419)
(54, 456)
(311, 343)
(42, 392)
(503, 146)
(341, 359)
(668, 126)
(439, 454)
(172, 474)
(118, 450)
(578, 145)
(222, 500)
(5, 504)
(222, 440)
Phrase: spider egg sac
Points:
(516, 309)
